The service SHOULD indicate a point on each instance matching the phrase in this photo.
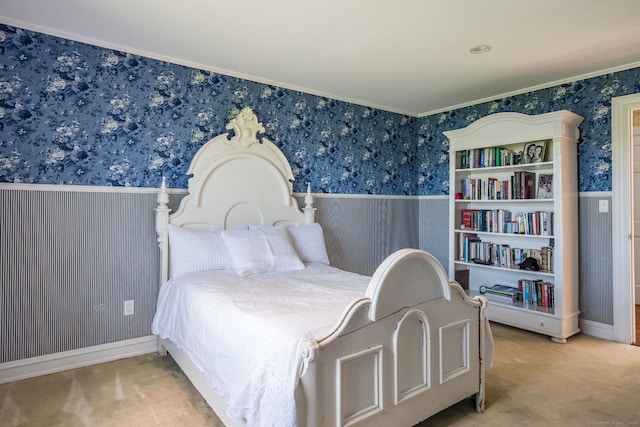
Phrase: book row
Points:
(521, 185)
(539, 223)
(529, 292)
(472, 249)
(488, 157)
(536, 292)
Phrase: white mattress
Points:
(244, 332)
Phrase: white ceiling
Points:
(405, 56)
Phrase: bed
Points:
(271, 334)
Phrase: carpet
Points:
(533, 382)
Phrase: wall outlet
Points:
(128, 307)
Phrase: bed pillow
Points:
(308, 240)
(261, 250)
(196, 250)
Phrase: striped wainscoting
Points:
(361, 231)
(70, 257)
(69, 261)
(596, 264)
(433, 228)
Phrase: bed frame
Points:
(411, 347)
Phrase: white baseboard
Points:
(57, 362)
(596, 329)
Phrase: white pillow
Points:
(261, 250)
(196, 250)
(308, 240)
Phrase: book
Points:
(462, 277)
(469, 247)
(529, 185)
(504, 289)
(467, 219)
(499, 298)
(502, 293)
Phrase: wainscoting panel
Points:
(361, 232)
(434, 228)
(596, 264)
(69, 259)
(68, 262)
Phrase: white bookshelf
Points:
(555, 315)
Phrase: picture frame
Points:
(534, 152)
(545, 186)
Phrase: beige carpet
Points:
(534, 382)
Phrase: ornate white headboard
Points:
(235, 181)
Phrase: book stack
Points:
(502, 293)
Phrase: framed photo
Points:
(534, 152)
(545, 186)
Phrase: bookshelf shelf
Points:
(520, 166)
(499, 186)
(512, 201)
(510, 270)
(518, 306)
(491, 233)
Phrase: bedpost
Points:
(485, 330)
(162, 221)
(309, 210)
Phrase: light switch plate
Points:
(603, 206)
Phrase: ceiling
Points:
(405, 56)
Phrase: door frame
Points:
(622, 210)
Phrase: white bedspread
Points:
(244, 332)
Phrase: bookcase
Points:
(513, 197)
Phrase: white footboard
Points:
(413, 347)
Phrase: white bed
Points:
(284, 338)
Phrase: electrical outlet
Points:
(128, 307)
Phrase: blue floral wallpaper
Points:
(590, 98)
(72, 113)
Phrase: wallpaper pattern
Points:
(72, 113)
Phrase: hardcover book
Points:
(529, 185)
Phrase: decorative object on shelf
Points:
(545, 186)
(534, 152)
(529, 263)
